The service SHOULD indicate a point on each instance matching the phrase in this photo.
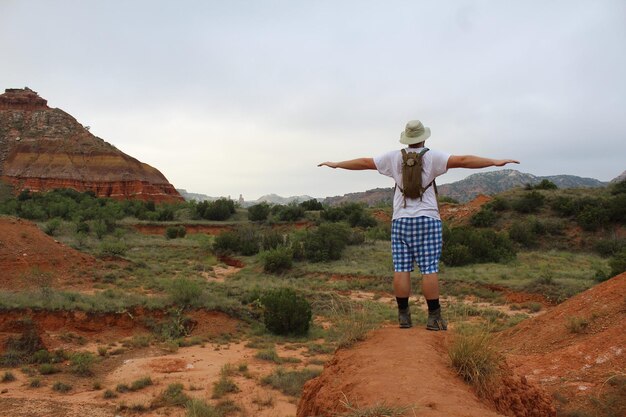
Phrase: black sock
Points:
(403, 303)
(433, 304)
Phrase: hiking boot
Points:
(404, 318)
(435, 321)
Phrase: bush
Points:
(498, 204)
(80, 363)
(523, 233)
(618, 263)
(592, 218)
(52, 226)
(285, 312)
(272, 239)
(277, 260)
(185, 292)
(112, 247)
(326, 243)
(290, 213)
(244, 240)
(61, 387)
(484, 218)
(174, 232)
(530, 203)
(220, 209)
(483, 245)
(290, 382)
(258, 212)
(609, 247)
(312, 205)
(545, 184)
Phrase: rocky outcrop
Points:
(43, 148)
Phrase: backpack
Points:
(412, 166)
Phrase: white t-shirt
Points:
(435, 163)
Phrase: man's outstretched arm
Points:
(471, 161)
(353, 164)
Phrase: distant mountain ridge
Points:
(487, 183)
(494, 182)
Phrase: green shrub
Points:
(609, 247)
(277, 260)
(199, 408)
(523, 233)
(498, 204)
(565, 206)
(272, 239)
(173, 232)
(484, 218)
(8, 377)
(220, 209)
(52, 226)
(483, 245)
(380, 232)
(312, 205)
(258, 212)
(173, 395)
(244, 240)
(290, 382)
(113, 247)
(592, 218)
(326, 243)
(140, 384)
(61, 387)
(530, 202)
(48, 369)
(618, 263)
(290, 212)
(185, 292)
(80, 363)
(224, 385)
(545, 184)
(285, 312)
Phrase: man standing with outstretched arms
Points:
(416, 232)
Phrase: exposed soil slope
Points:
(43, 148)
(577, 346)
(29, 257)
(399, 367)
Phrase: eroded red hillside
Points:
(43, 148)
(30, 258)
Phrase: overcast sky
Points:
(229, 97)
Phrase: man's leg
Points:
(430, 289)
(402, 291)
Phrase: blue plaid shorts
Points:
(416, 239)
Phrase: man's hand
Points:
(332, 165)
(502, 162)
(352, 164)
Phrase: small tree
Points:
(258, 212)
(286, 312)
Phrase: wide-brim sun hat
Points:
(414, 132)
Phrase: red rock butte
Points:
(43, 148)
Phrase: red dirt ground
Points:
(456, 214)
(27, 256)
(410, 368)
(574, 361)
(157, 229)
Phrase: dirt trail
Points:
(404, 368)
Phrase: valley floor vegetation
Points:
(297, 269)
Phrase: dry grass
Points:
(475, 358)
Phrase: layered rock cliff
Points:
(43, 148)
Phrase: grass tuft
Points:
(475, 358)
